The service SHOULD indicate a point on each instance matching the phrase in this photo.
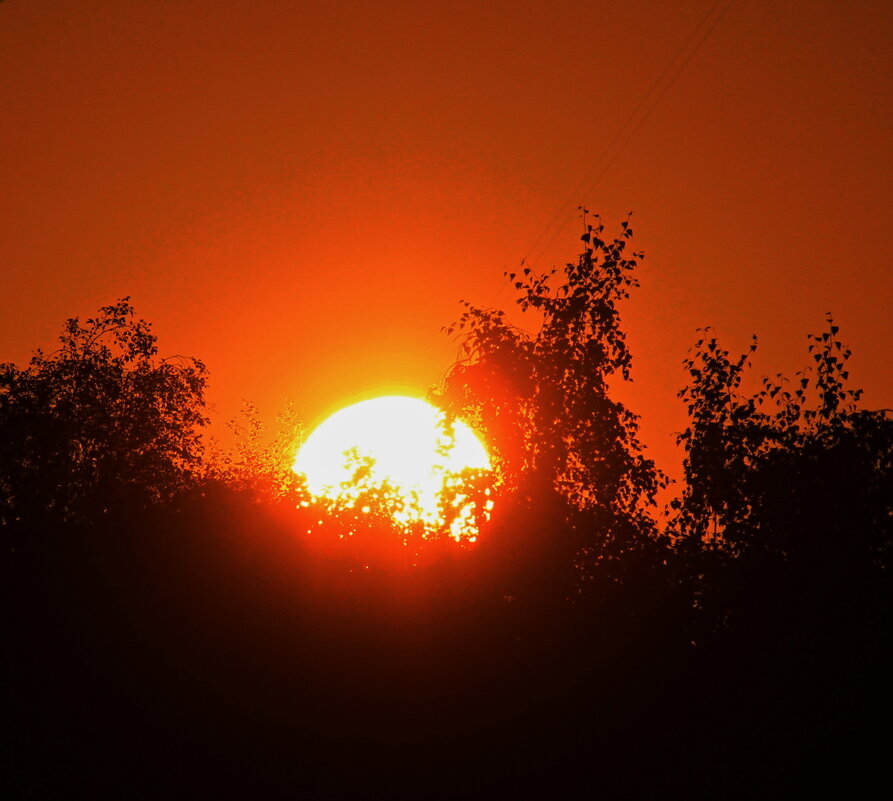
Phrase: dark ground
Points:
(177, 661)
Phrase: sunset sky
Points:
(299, 193)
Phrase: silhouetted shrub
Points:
(794, 480)
(98, 423)
(568, 453)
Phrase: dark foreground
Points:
(170, 662)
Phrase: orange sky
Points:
(300, 192)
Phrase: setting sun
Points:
(401, 443)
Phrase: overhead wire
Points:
(626, 132)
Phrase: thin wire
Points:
(575, 193)
(638, 124)
(585, 181)
(636, 120)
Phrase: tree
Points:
(793, 480)
(102, 421)
(257, 464)
(757, 467)
(543, 399)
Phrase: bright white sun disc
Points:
(406, 441)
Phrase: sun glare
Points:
(401, 443)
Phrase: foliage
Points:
(376, 636)
(787, 451)
(795, 474)
(544, 398)
(369, 508)
(257, 464)
(100, 421)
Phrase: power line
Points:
(575, 193)
(661, 85)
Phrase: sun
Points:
(403, 444)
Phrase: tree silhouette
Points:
(792, 478)
(226, 625)
(562, 443)
(259, 462)
(101, 421)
